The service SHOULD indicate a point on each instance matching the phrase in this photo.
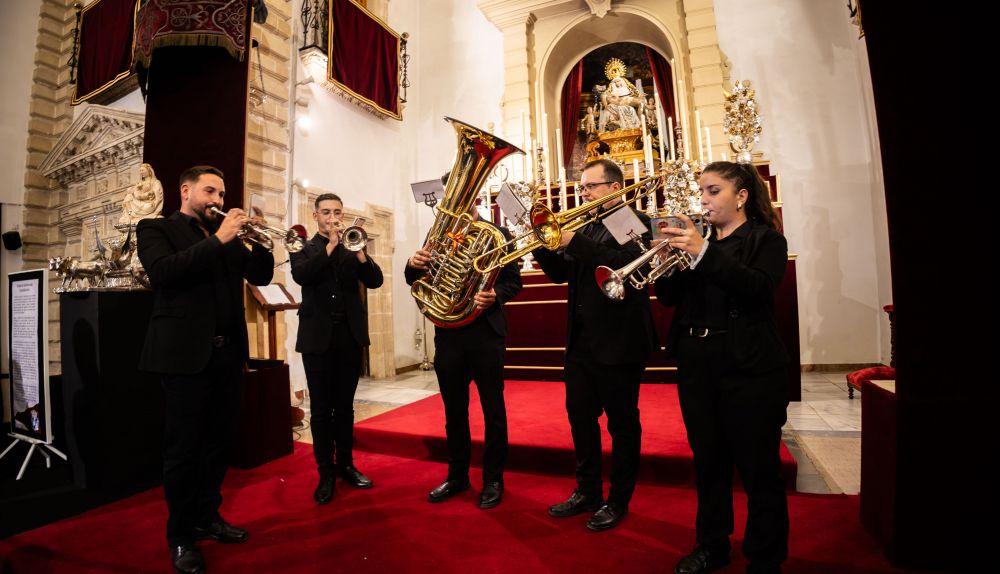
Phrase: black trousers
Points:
(475, 354)
(591, 389)
(735, 419)
(202, 414)
(332, 377)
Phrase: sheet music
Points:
(274, 295)
(510, 205)
(422, 190)
(624, 224)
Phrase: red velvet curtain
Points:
(664, 78)
(364, 57)
(105, 52)
(570, 110)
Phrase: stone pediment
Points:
(100, 138)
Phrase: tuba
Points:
(445, 292)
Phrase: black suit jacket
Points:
(613, 332)
(320, 276)
(507, 286)
(182, 265)
(749, 281)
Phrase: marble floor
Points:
(823, 431)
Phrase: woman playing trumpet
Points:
(731, 365)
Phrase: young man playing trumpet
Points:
(333, 328)
(197, 342)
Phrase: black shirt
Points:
(228, 312)
(709, 304)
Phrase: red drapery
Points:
(105, 56)
(570, 110)
(191, 23)
(364, 58)
(664, 78)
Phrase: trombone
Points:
(612, 281)
(548, 227)
(261, 234)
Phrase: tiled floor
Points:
(823, 431)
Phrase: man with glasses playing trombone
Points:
(607, 345)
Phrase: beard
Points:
(208, 219)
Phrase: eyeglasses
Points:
(593, 185)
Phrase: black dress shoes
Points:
(187, 559)
(492, 494)
(324, 490)
(354, 477)
(447, 489)
(222, 531)
(577, 503)
(701, 560)
(607, 516)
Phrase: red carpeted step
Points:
(539, 434)
(391, 528)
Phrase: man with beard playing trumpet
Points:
(197, 342)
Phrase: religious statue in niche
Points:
(622, 122)
(144, 200)
(620, 99)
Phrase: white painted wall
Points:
(813, 86)
(18, 31)
(456, 69)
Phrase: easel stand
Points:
(34, 444)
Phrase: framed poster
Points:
(27, 321)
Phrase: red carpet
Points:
(539, 433)
(391, 528)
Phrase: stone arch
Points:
(585, 33)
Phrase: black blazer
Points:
(318, 274)
(181, 263)
(749, 282)
(615, 332)
(507, 286)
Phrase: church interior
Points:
(106, 102)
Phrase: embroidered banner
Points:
(219, 23)
(364, 58)
(104, 62)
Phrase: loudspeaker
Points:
(11, 240)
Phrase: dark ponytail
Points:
(745, 176)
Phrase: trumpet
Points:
(612, 281)
(548, 227)
(354, 237)
(261, 235)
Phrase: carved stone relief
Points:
(94, 162)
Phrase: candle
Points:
(725, 157)
(545, 149)
(635, 177)
(670, 137)
(576, 193)
(697, 126)
(489, 203)
(686, 150)
(659, 121)
(524, 146)
(708, 143)
(562, 189)
(559, 151)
